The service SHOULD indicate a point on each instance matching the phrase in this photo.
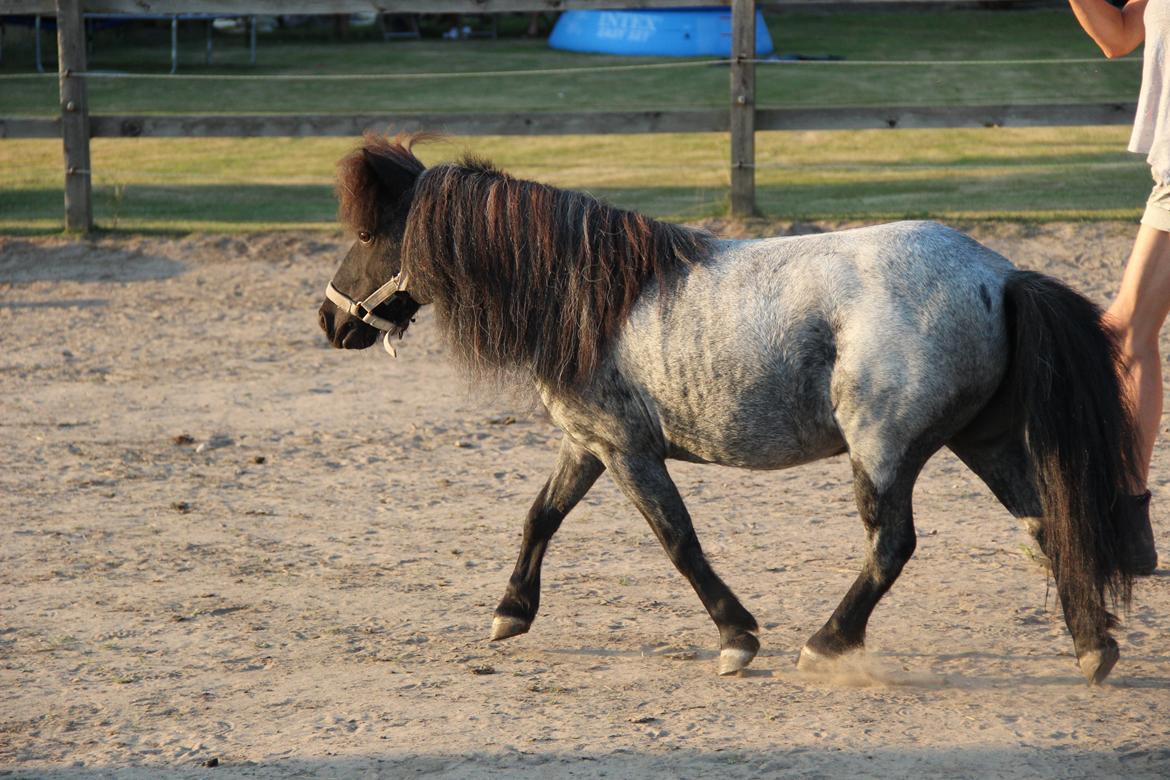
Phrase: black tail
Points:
(1066, 384)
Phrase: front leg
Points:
(646, 482)
(575, 472)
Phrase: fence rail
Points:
(76, 125)
(579, 123)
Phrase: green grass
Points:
(253, 184)
(258, 184)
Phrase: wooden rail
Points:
(579, 123)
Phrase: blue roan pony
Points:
(650, 341)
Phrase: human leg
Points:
(1137, 315)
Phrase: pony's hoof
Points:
(504, 626)
(1096, 664)
(738, 654)
(812, 662)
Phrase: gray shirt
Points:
(1151, 127)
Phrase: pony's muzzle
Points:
(344, 331)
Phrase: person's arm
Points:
(1118, 31)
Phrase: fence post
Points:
(743, 108)
(74, 116)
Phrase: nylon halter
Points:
(364, 309)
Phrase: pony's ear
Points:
(395, 176)
(374, 177)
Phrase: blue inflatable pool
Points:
(683, 32)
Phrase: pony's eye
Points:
(364, 236)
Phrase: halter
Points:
(364, 310)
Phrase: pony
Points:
(649, 341)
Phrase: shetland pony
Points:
(649, 341)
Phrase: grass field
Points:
(246, 184)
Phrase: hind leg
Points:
(1007, 468)
(883, 497)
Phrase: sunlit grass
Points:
(251, 184)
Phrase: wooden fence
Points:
(76, 125)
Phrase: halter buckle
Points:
(364, 309)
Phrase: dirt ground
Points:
(222, 541)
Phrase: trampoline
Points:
(683, 32)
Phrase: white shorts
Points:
(1157, 214)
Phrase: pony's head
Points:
(370, 293)
(526, 279)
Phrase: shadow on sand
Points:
(23, 262)
(793, 762)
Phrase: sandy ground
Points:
(222, 540)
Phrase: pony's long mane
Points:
(527, 277)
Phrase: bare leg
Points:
(1137, 315)
(647, 484)
(574, 474)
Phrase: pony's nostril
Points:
(343, 330)
(325, 321)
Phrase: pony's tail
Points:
(1066, 381)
